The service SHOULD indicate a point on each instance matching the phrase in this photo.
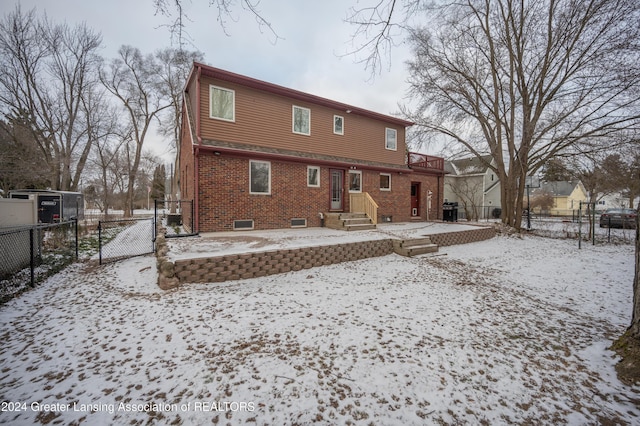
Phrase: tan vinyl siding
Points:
(265, 119)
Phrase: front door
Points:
(415, 199)
(337, 188)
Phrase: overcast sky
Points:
(307, 57)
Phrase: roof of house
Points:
(559, 188)
(469, 166)
(220, 74)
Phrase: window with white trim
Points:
(355, 181)
(338, 125)
(259, 177)
(391, 139)
(301, 118)
(385, 181)
(222, 105)
(313, 176)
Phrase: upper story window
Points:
(301, 120)
(391, 139)
(222, 103)
(338, 125)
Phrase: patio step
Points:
(349, 221)
(414, 246)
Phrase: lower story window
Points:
(385, 182)
(313, 176)
(355, 181)
(259, 177)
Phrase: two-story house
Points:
(255, 155)
(473, 184)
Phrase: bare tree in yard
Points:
(175, 10)
(134, 79)
(176, 65)
(523, 81)
(48, 73)
(621, 171)
(468, 189)
(108, 138)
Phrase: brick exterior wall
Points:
(224, 194)
(259, 264)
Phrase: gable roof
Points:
(559, 188)
(253, 83)
(469, 166)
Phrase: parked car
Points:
(618, 218)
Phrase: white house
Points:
(474, 186)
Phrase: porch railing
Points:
(423, 161)
(363, 203)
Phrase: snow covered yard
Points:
(506, 331)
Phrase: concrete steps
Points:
(349, 221)
(414, 247)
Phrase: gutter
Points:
(304, 160)
(196, 168)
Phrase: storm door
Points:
(337, 189)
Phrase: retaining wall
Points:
(259, 264)
(462, 237)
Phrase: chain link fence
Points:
(29, 254)
(124, 238)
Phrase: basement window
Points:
(299, 223)
(239, 225)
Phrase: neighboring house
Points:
(474, 186)
(615, 200)
(567, 196)
(254, 155)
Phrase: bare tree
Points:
(176, 65)
(134, 79)
(48, 73)
(522, 81)
(175, 10)
(469, 189)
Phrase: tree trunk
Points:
(634, 328)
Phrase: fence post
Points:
(100, 242)
(31, 259)
(153, 238)
(580, 226)
(155, 218)
(76, 225)
(193, 219)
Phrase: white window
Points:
(301, 120)
(259, 177)
(355, 181)
(222, 103)
(338, 125)
(313, 176)
(385, 182)
(391, 139)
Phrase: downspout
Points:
(196, 166)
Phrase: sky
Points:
(309, 54)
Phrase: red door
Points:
(415, 199)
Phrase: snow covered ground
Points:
(513, 330)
